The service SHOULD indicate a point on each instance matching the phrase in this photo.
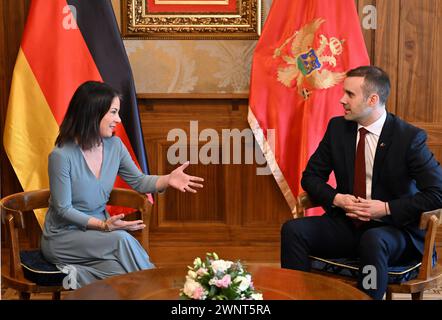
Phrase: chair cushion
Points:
(350, 268)
(38, 270)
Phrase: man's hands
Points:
(366, 210)
(343, 200)
(359, 208)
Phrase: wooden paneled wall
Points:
(238, 214)
(12, 20)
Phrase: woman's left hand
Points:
(182, 181)
(115, 223)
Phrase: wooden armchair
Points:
(429, 276)
(44, 277)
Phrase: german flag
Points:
(65, 43)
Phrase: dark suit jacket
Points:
(405, 172)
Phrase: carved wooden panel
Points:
(13, 15)
(365, 13)
(237, 212)
(420, 66)
(386, 44)
(175, 207)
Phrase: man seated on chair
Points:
(386, 177)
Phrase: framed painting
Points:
(191, 19)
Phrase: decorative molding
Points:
(244, 23)
(191, 96)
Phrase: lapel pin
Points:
(382, 145)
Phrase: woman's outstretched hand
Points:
(182, 181)
(115, 223)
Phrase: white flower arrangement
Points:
(216, 279)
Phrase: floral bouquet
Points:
(216, 279)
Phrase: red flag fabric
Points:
(298, 69)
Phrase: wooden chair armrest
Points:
(425, 218)
(303, 202)
(19, 203)
(429, 221)
(132, 199)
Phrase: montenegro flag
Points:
(299, 65)
(65, 43)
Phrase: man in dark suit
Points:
(386, 177)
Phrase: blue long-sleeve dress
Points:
(76, 196)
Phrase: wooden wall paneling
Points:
(262, 200)
(386, 44)
(234, 196)
(436, 148)
(176, 116)
(237, 213)
(420, 65)
(177, 207)
(13, 17)
(369, 34)
(434, 136)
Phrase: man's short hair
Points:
(376, 80)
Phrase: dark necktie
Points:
(359, 185)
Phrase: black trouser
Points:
(375, 243)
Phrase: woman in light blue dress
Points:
(79, 236)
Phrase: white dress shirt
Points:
(371, 142)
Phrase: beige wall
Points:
(190, 66)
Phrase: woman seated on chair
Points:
(78, 232)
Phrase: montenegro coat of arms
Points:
(306, 67)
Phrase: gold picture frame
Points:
(206, 21)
